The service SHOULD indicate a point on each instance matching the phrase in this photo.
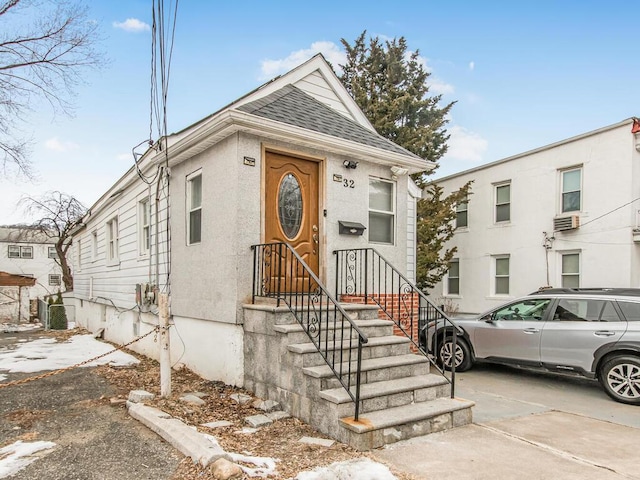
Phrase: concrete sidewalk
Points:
(551, 445)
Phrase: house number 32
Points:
(346, 183)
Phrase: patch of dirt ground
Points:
(280, 440)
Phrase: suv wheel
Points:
(462, 354)
(620, 377)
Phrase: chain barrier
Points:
(155, 330)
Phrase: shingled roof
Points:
(292, 106)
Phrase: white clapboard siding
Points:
(316, 86)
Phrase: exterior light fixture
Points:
(350, 164)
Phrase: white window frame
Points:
(494, 271)
(15, 253)
(189, 209)
(562, 192)
(390, 213)
(54, 276)
(144, 229)
(113, 241)
(94, 245)
(450, 277)
(496, 186)
(463, 207)
(50, 250)
(561, 271)
(26, 248)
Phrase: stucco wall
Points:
(609, 258)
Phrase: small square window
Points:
(26, 252)
(14, 251)
(55, 280)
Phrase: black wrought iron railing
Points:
(279, 272)
(365, 275)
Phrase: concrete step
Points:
(376, 347)
(296, 333)
(373, 370)
(377, 428)
(390, 393)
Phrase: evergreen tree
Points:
(57, 313)
(390, 85)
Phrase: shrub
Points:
(57, 313)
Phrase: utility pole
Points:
(165, 353)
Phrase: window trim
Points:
(55, 254)
(113, 254)
(561, 256)
(496, 204)
(55, 275)
(391, 213)
(464, 210)
(16, 249)
(494, 271)
(562, 192)
(144, 205)
(449, 278)
(189, 179)
(26, 248)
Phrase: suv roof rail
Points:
(633, 292)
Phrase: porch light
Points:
(350, 164)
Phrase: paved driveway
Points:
(528, 426)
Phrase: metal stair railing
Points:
(280, 273)
(365, 275)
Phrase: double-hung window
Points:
(453, 277)
(194, 208)
(52, 252)
(501, 285)
(55, 280)
(144, 227)
(572, 190)
(113, 254)
(503, 202)
(381, 211)
(94, 245)
(18, 251)
(570, 270)
(462, 213)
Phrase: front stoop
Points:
(400, 398)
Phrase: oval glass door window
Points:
(290, 205)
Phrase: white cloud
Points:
(57, 145)
(331, 51)
(466, 145)
(132, 25)
(472, 66)
(439, 87)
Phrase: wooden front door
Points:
(291, 215)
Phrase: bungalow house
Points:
(253, 222)
(563, 215)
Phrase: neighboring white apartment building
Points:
(30, 253)
(563, 215)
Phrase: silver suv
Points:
(589, 332)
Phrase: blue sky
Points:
(523, 74)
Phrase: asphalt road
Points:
(94, 440)
(529, 426)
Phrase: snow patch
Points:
(18, 455)
(358, 469)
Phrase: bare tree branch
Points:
(41, 60)
(58, 215)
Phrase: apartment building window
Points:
(501, 275)
(18, 251)
(144, 227)
(462, 214)
(503, 202)
(572, 190)
(453, 277)
(194, 208)
(52, 252)
(381, 211)
(55, 280)
(570, 270)
(112, 241)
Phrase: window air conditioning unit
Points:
(566, 223)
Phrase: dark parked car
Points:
(589, 332)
